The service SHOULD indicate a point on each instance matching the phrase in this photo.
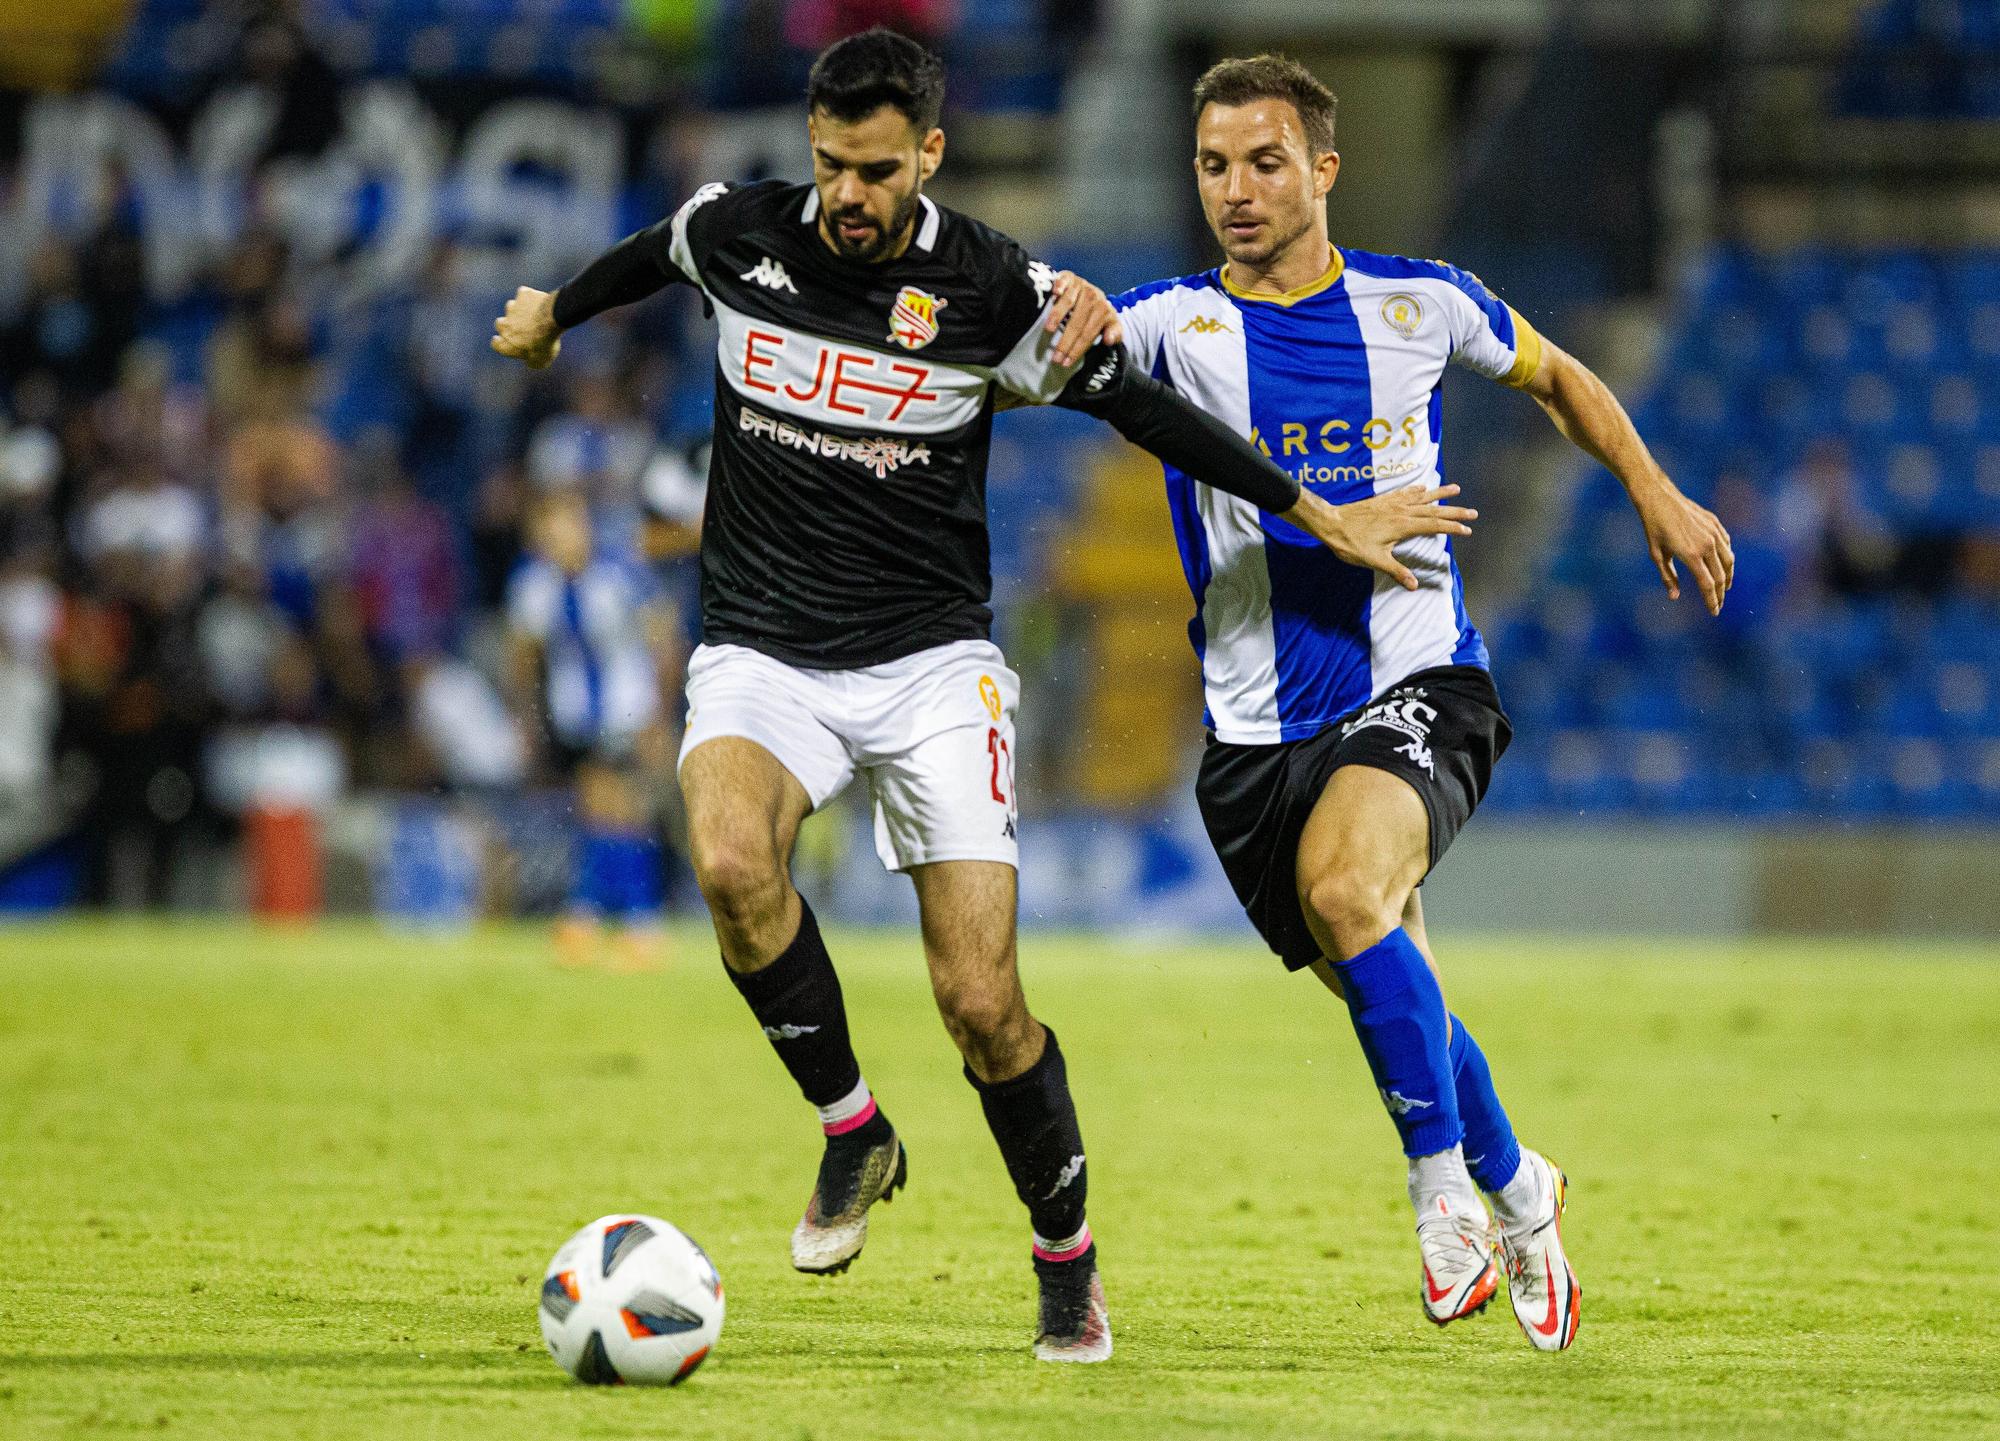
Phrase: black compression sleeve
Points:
(628, 271)
(1161, 420)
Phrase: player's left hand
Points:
(1083, 314)
(1678, 530)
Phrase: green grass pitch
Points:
(274, 1184)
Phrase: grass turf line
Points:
(303, 1184)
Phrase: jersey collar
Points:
(1336, 267)
(927, 230)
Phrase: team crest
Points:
(913, 322)
(990, 693)
(1403, 313)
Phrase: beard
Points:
(1269, 244)
(881, 240)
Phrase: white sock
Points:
(1443, 1174)
(1522, 1200)
(848, 1106)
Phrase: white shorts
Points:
(933, 733)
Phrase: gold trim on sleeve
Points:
(1527, 351)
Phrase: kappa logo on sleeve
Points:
(1043, 279)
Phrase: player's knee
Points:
(1356, 909)
(979, 1018)
(741, 883)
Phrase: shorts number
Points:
(997, 748)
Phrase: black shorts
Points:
(1441, 730)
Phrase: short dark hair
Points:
(855, 77)
(1271, 77)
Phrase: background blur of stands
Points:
(261, 483)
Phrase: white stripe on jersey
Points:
(1239, 660)
(1408, 630)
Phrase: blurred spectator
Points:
(29, 606)
(1828, 529)
(597, 446)
(276, 62)
(139, 705)
(147, 418)
(673, 495)
(462, 725)
(241, 634)
(498, 518)
(59, 330)
(585, 640)
(145, 535)
(404, 563)
(260, 366)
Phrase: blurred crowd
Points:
(258, 526)
(206, 598)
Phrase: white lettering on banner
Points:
(195, 201)
(879, 453)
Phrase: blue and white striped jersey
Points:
(1338, 381)
(603, 685)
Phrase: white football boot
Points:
(1457, 1244)
(831, 1233)
(1540, 1283)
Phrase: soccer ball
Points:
(629, 1298)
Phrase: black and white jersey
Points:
(846, 518)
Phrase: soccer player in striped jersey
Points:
(587, 637)
(1353, 723)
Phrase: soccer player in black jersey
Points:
(865, 333)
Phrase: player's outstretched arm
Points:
(1161, 420)
(530, 330)
(1677, 530)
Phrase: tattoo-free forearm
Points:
(1590, 417)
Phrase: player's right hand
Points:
(1366, 532)
(526, 330)
(1677, 529)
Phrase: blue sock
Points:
(1399, 1016)
(641, 883)
(594, 883)
(1491, 1152)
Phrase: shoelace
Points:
(1456, 1222)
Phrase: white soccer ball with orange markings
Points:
(631, 1299)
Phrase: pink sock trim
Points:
(853, 1123)
(1082, 1245)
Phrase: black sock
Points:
(1034, 1120)
(796, 999)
